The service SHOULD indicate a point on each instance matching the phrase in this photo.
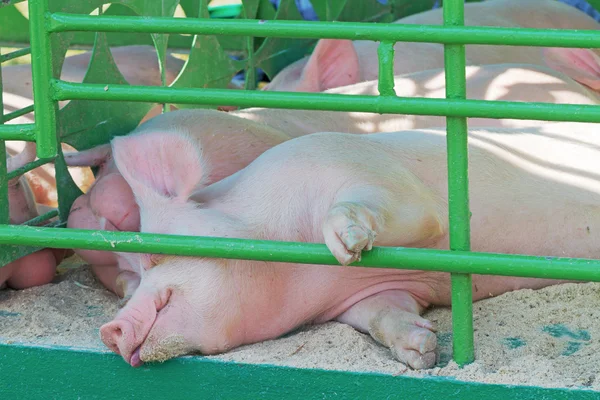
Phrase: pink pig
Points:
(336, 63)
(533, 191)
(37, 268)
(230, 141)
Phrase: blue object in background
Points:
(307, 12)
(581, 5)
(306, 9)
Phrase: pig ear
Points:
(581, 65)
(159, 165)
(333, 63)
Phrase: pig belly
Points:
(349, 285)
(428, 288)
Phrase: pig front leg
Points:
(351, 227)
(405, 215)
(397, 216)
(393, 319)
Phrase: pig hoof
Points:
(346, 235)
(418, 352)
(408, 336)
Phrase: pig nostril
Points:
(117, 333)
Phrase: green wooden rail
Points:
(459, 261)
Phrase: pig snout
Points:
(128, 331)
(156, 325)
(109, 205)
(120, 337)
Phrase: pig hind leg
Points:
(392, 319)
(395, 215)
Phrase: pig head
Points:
(228, 144)
(163, 170)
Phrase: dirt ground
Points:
(545, 338)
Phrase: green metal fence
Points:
(459, 260)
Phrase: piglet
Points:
(37, 268)
(533, 191)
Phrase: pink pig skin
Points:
(37, 268)
(230, 141)
(350, 192)
(336, 63)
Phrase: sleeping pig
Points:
(533, 191)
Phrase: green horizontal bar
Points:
(331, 102)
(18, 113)
(304, 253)
(15, 54)
(24, 132)
(61, 22)
(31, 372)
(28, 167)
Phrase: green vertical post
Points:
(458, 188)
(385, 54)
(4, 212)
(41, 71)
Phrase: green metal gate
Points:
(218, 379)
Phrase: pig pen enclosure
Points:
(73, 364)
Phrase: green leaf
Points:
(328, 10)
(404, 8)
(595, 4)
(266, 11)
(14, 27)
(276, 53)
(85, 124)
(251, 8)
(208, 66)
(369, 10)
